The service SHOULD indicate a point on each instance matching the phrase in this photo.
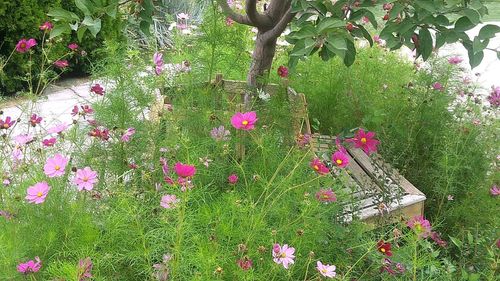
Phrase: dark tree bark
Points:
(270, 25)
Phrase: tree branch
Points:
(279, 27)
(239, 18)
(261, 21)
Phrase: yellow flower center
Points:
(339, 161)
(283, 255)
(23, 45)
(6, 126)
(85, 179)
(316, 167)
(324, 270)
(244, 122)
(39, 194)
(382, 250)
(418, 227)
(57, 167)
(363, 140)
(325, 196)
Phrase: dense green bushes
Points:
(22, 18)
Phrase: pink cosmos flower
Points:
(495, 191)
(169, 201)
(244, 121)
(85, 269)
(437, 86)
(57, 129)
(30, 266)
(55, 166)
(164, 166)
(437, 239)
(220, 134)
(455, 60)
(326, 270)
(182, 16)
(17, 154)
(24, 45)
(232, 179)
(36, 194)
(365, 141)
(126, 136)
(229, 21)
(340, 159)
(85, 179)
(158, 61)
(283, 255)
(61, 63)
(35, 120)
(7, 124)
(46, 26)
(23, 139)
(378, 40)
(326, 196)
(184, 170)
(73, 46)
(420, 225)
(49, 142)
(97, 89)
(282, 71)
(319, 167)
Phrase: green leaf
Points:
(350, 55)
(328, 24)
(396, 10)
(111, 10)
(426, 5)
(488, 31)
(498, 55)
(62, 14)
(441, 20)
(144, 26)
(74, 26)
(59, 29)
(475, 58)
(472, 15)
(463, 24)
(94, 25)
(366, 35)
(84, 6)
(425, 40)
(457, 242)
(338, 42)
(440, 39)
(478, 45)
(80, 33)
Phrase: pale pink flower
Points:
(420, 225)
(326, 270)
(126, 136)
(326, 195)
(55, 166)
(57, 129)
(24, 45)
(455, 60)
(23, 139)
(85, 179)
(30, 266)
(46, 26)
(182, 16)
(158, 61)
(36, 194)
(61, 63)
(85, 269)
(17, 154)
(437, 86)
(244, 121)
(495, 191)
(169, 201)
(283, 255)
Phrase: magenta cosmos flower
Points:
(437, 86)
(420, 225)
(282, 71)
(326, 270)
(46, 26)
(319, 167)
(283, 255)
(35, 120)
(494, 97)
(365, 141)
(326, 196)
(85, 179)
(61, 63)
(7, 124)
(49, 142)
(97, 89)
(184, 170)
(169, 201)
(36, 194)
(232, 179)
(494, 190)
(244, 121)
(245, 263)
(24, 45)
(55, 166)
(158, 61)
(73, 46)
(340, 159)
(126, 136)
(30, 266)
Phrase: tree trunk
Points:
(262, 60)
